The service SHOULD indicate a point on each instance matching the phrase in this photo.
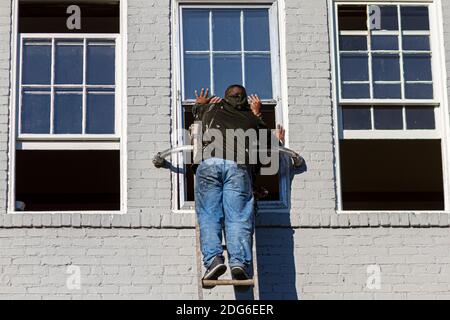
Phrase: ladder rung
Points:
(208, 283)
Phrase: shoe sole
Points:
(240, 274)
(215, 274)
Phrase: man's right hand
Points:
(203, 98)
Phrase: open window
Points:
(389, 107)
(68, 120)
(223, 45)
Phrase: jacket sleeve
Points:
(198, 110)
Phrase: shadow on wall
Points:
(276, 258)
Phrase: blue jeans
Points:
(224, 197)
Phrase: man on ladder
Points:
(224, 192)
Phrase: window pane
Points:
(100, 117)
(415, 18)
(355, 91)
(419, 91)
(195, 30)
(420, 118)
(256, 30)
(389, 18)
(69, 63)
(68, 113)
(354, 67)
(35, 113)
(258, 71)
(384, 42)
(196, 74)
(36, 63)
(227, 30)
(387, 91)
(101, 63)
(352, 17)
(353, 43)
(416, 43)
(386, 67)
(356, 118)
(389, 118)
(417, 67)
(227, 71)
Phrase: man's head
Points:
(236, 95)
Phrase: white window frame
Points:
(117, 141)
(440, 101)
(279, 83)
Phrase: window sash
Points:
(84, 87)
(370, 52)
(373, 102)
(241, 53)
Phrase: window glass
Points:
(358, 118)
(415, 18)
(100, 118)
(388, 118)
(226, 30)
(256, 30)
(35, 113)
(420, 118)
(68, 112)
(101, 63)
(195, 30)
(36, 62)
(69, 62)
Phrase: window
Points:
(68, 85)
(224, 45)
(390, 113)
(68, 123)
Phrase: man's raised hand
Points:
(255, 104)
(203, 98)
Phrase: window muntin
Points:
(67, 85)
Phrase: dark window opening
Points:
(270, 183)
(352, 17)
(51, 17)
(61, 180)
(392, 175)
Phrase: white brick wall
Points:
(149, 252)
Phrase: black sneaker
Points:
(216, 269)
(239, 273)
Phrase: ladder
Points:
(253, 282)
